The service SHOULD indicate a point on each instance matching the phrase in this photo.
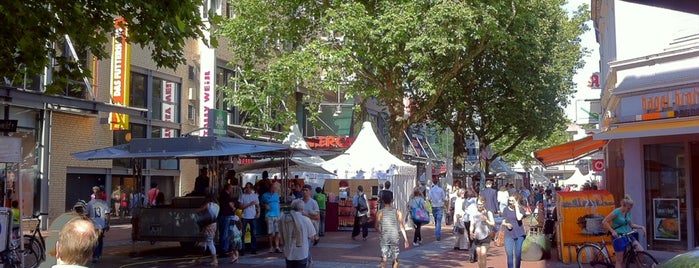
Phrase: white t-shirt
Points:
(245, 199)
(437, 196)
(98, 210)
(291, 251)
(311, 208)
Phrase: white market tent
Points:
(577, 179)
(366, 158)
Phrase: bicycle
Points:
(597, 255)
(34, 245)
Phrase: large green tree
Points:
(387, 51)
(31, 31)
(515, 89)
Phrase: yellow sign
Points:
(120, 77)
(580, 216)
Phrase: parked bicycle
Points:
(597, 255)
(34, 245)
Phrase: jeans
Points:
(253, 226)
(297, 263)
(97, 253)
(438, 213)
(321, 225)
(514, 246)
(360, 222)
(418, 236)
(224, 233)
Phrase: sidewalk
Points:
(335, 250)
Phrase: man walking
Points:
(361, 214)
(98, 211)
(296, 232)
(491, 196)
(250, 204)
(438, 197)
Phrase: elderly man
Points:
(76, 243)
(296, 232)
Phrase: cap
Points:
(80, 204)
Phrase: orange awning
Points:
(568, 152)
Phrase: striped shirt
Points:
(389, 227)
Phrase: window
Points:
(137, 96)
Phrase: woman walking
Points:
(417, 201)
(209, 231)
(514, 230)
(459, 227)
(482, 224)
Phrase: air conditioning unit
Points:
(191, 94)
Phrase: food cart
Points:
(580, 216)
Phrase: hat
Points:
(80, 204)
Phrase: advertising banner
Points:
(168, 112)
(666, 219)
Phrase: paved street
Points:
(335, 250)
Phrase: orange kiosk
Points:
(580, 216)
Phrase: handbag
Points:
(499, 237)
(204, 218)
(420, 214)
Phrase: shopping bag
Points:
(420, 215)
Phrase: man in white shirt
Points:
(296, 232)
(98, 211)
(250, 204)
(437, 197)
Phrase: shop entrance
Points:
(694, 152)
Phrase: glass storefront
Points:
(665, 175)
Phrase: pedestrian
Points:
(482, 224)
(321, 199)
(201, 183)
(311, 211)
(619, 222)
(94, 190)
(502, 196)
(225, 215)
(459, 226)
(416, 201)
(138, 200)
(250, 204)
(270, 201)
(386, 189)
(153, 194)
(361, 214)
(236, 238)
(296, 232)
(514, 230)
(209, 230)
(76, 243)
(98, 211)
(471, 209)
(388, 223)
(437, 197)
(490, 195)
(116, 200)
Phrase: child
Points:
(388, 225)
(236, 238)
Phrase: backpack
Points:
(361, 204)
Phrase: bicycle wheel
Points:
(641, 259)
(32, 252)
(591, 256)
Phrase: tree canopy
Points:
(32, 31)
(458, 62)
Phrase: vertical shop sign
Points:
(217, 122)
(666, 219)
(168, 111)
(207, 56)
(120, 77)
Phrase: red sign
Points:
(598, 164)
(329, 142)
(594, 81)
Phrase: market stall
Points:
(368, 162)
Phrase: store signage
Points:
(168, 108)
(217, 122)
(8, 125)
(598, 165)
(594, 81)
(329, 142)
(120, 77)
(666, 219)
(670, 99)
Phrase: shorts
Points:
(272, 225)
(483, 242)
(389, 252)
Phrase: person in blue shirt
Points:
(270, 201)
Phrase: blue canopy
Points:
(187, 147)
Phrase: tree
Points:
(32, 29)
(515, 90)
(388, 51)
